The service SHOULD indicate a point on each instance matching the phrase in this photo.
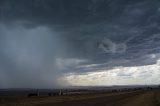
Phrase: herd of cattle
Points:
(49, 94)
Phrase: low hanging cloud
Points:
(68, 64)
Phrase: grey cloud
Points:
(36, 35)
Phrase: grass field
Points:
(132, 98)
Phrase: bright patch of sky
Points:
(149, 74)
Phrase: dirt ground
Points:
(133, 98)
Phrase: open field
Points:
(127, 98)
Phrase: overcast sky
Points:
(56, 43)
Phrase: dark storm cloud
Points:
(47, 38)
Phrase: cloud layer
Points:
(118, 76)
(53, 38)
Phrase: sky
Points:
(59, 43)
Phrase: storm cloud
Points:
(43, 40)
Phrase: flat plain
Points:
(127, 98)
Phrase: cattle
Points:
(32, 94)
(50, 94)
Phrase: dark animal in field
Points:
(32, 94)
(55, 94)
(114, 90)
(149, 88)
(50, 94)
